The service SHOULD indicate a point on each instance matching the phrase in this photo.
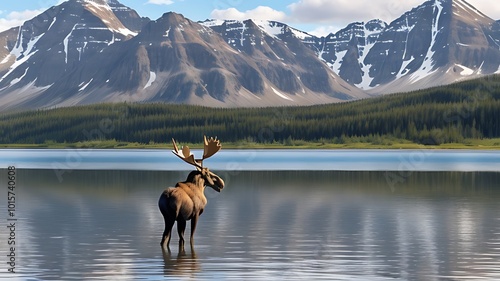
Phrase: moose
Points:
(186, 201)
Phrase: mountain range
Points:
(94, 51)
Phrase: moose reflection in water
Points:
(186, 201)
(182, 265)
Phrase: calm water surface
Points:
(282, 225)
(257, 160)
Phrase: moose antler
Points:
(211, 146)
(185, 154)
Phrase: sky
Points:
(318, 17)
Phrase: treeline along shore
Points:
(461, 113)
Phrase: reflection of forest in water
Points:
(107, 222)
(120, 183)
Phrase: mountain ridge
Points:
(171, 59)
(429, 46)
(103, 51)
(361, 52)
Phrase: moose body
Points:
(186, 201)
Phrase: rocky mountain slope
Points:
(86, 51)
(437, 43)
(56, 42)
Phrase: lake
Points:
(392, 219)
(256, 160)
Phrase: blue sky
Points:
(316, 16)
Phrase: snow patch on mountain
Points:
(283, 96)
(6, 59)
(300, 34)
(16, 80)
(371, 37)
(152, 78)
(167, 33)
(126, 32)
(105, 13)
(243, 28)
(270, 28)
(17, 64)
(19, 50)
(465, 70)
(427, 67)
(22, 55)
(212, 22)
(92, 4)
(407, 28)
(275, 29)
(82, 88)
(66, 43)
(338, 63)
(53, 21)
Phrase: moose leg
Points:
(194, 221)
(169, 223)
(181, 227)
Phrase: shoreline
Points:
(488, 144)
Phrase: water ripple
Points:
(343, 226)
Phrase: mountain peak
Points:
(375, 25)
(172, 18)
(438, 42)
(95, 2)
(61, 38)
(102, 3)
(102, 10)
(457, 6)
(171, 26)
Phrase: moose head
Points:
(211, 147)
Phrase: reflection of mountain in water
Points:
(106, 223)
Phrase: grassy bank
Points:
(486, 144)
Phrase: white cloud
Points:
(343, 12)
(259, 13)
(160, 2)
(231, 13)
(493, 11)
(18, 18)
(324, 30)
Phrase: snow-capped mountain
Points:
(90, 51)
(176, 60)
(437, 43)
(279, 54)
(43, 49)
